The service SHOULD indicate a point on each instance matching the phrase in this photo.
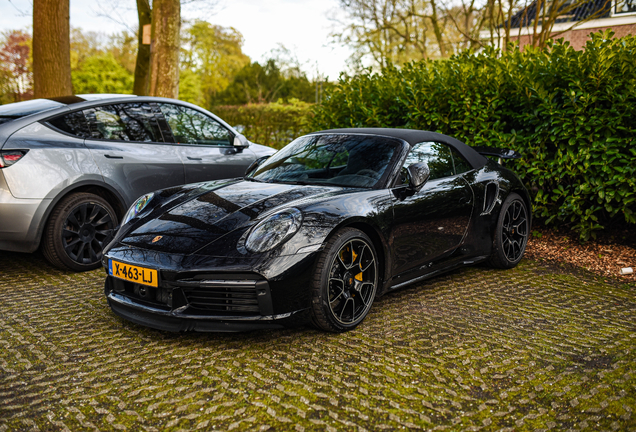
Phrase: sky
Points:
(301, 26)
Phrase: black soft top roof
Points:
(413, 137)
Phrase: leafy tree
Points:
(102, 74)
(123, 46)
(253, 84)
(91, 51)
(85, 44)
(190, 87)
(5, 89)
(394, 31)
(299, 87)
(263, 84)
(214, 53)
(16, 76)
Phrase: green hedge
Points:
(274, 124)
(572, 114)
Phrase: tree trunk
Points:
(437, 30)
(164, 50)
(51, 49)
(142, 66)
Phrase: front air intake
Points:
(224, 296)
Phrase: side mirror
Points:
(254, 165)
(418, 175)
(240, 142)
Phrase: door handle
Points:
(191, 158)
(113, 157)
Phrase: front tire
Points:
(77, 231)
(345, 281)
(511, 233)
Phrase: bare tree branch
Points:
(21, 12)
(111, 9)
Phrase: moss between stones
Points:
(531, 348)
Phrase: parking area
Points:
(533, 348)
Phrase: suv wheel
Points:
(77, 231)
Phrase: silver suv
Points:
(71, 166)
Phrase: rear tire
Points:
(77, 231)
(345, 281)
(511, 233)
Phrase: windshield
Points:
(341, 160)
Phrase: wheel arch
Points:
(498, 258)
(100, 189)
(379, 243)
(511, 183)
(523, 193)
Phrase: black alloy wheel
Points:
(511, 236)
(346, 281)
(79, 228)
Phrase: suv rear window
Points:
(73, 123)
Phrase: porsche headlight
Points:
(138, 207)
(274, 230)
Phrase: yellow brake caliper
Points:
(359, 275)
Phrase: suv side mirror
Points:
(418, 175)
(240, 142)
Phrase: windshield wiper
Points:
(295, 182)
(254, 180)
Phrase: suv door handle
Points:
(191, 158)
(113, 157)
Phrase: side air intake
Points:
(490, 198)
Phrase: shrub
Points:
(273, 124)
(572, 114)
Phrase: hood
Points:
(204, 218)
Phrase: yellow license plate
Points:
(140, 275)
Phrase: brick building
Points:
(576, 25)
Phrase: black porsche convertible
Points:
(314, 233)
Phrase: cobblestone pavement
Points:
(533, 348)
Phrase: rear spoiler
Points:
(499, 153)
(6, 119)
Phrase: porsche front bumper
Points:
(270, 292)
(177, 321)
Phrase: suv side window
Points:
(193, 127)
(461, 165)
(436, 155)
(73, 123)
(124, 122)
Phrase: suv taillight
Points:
(9, 157)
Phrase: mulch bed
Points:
(604, 256)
